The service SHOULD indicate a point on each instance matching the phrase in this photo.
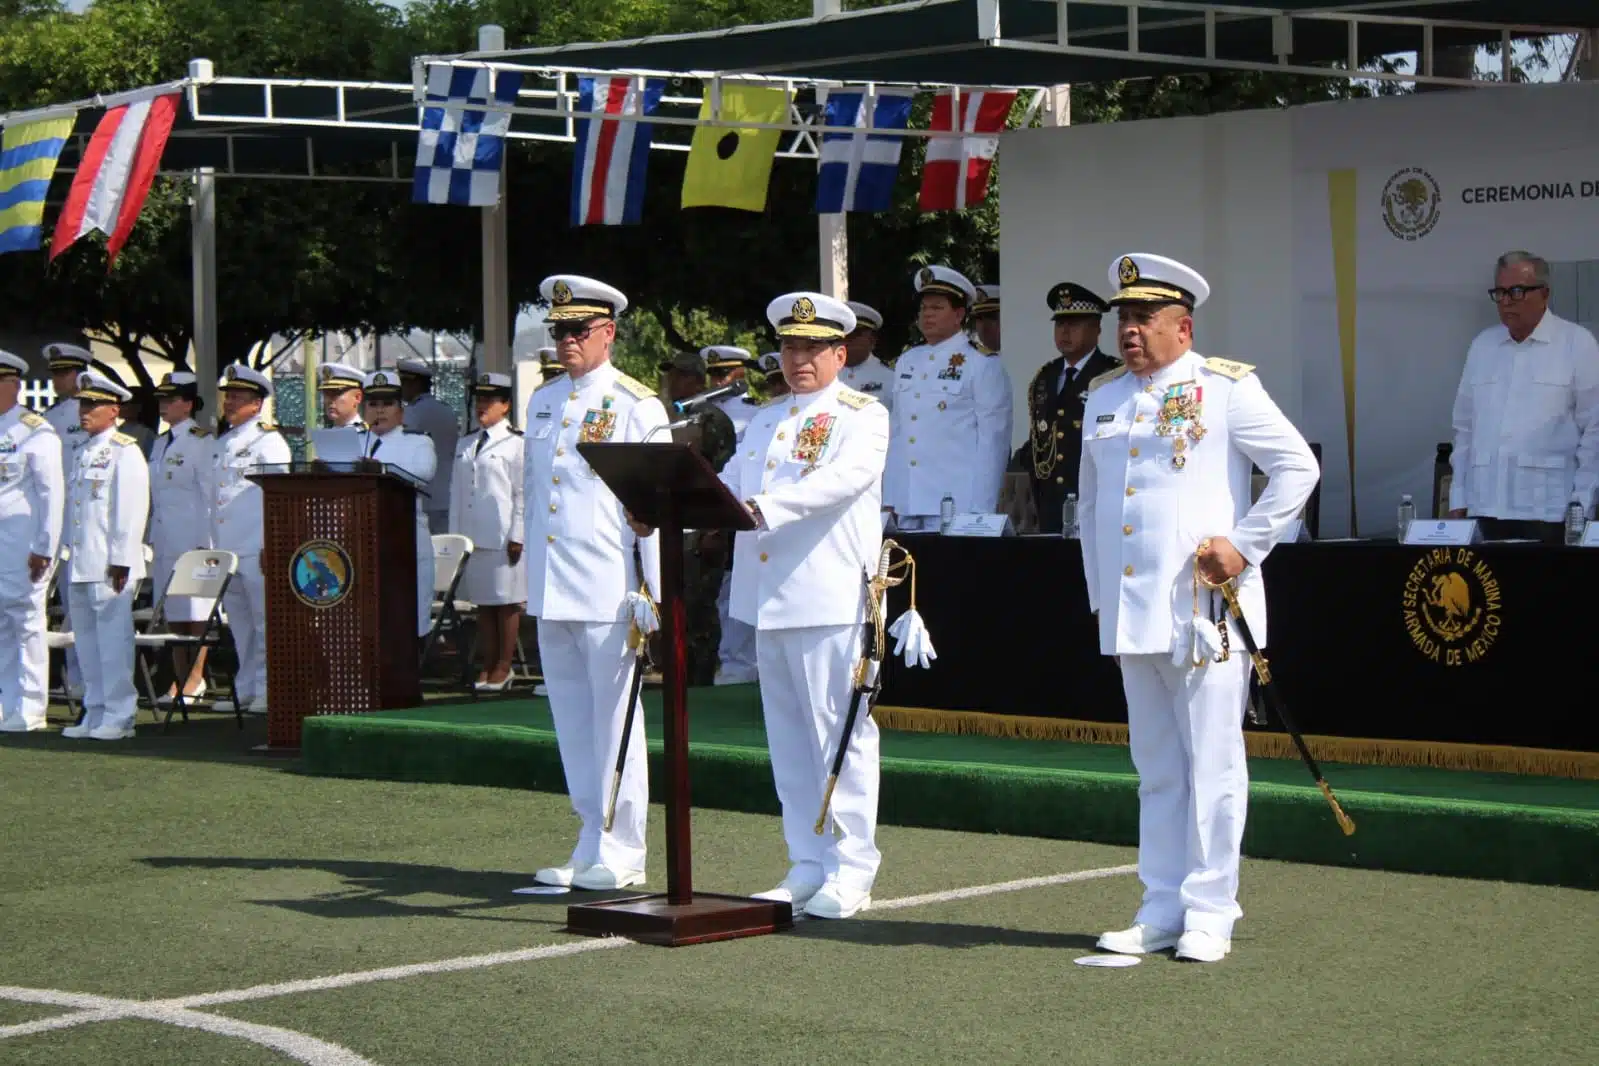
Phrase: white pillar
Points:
(203, 237)
(497, 318)
(832, 231)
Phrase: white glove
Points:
(912, 640)
(642, 612)
(1198, 639)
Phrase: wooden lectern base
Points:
(655, 920)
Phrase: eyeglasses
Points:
(578, 331)
(1516, 293)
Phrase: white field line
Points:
(309, 1050)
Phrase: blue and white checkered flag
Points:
(461, 147)
(857, 170)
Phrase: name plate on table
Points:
(975, 524)
(1442, 531)
(1590, 536)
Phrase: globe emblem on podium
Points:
(320, 573)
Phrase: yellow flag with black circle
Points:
(730, 165)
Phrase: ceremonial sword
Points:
(866, 674)
(1275, 702)
(627, 722)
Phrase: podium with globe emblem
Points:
(338, 552)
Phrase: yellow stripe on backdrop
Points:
(1342, 191)
(730, 166)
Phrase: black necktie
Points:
(481, 438)
(376, 442)
(1066, 384)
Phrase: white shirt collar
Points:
(598, 378)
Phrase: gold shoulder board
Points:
(1106, 378)
(122, 438)
(199, 431)
(1228, 368)
(636, 389)
(268, 427)
(983, 349)
(31, 420)
(851, 398)
(515, 432)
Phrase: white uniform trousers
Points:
(102, 624)
(736, 653)
(807, 676)
(245, 602)
(424, 585)
(24, 655)
(587, 669)
(1185, 729)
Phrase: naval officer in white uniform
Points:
(108, 503)
(486, 506)
(1168, 439)
(735, 652)
(179, 521)
(810, 471)
(425, 413)
(234, 502)
(952, 412)
(865, 371)
(387, 441)
(581, 581)
(65, 363)
(32, 497)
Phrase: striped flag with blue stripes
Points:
(28, 158)
(858, 169)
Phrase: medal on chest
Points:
(1180, 410)
(598, 425)
(952, 371)
(811, 440)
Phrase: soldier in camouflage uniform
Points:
(712, 435)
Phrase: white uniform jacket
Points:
(951, 429)
(414, 454)
(32, 486)
(427, 415)
(63, 418)
(178, 514)
(234, 500)
(1143, 516)
(108, 504)
(1526, 423)
(487, 486)
(874, 377)
(813, 465)
(578, 546)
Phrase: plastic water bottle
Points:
(946, 513)
(1576, 519)
(1068, 517)
(1407, 515)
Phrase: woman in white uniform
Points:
(486, 506)
(386, 441)
(179, 521)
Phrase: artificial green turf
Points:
(134, 875)
(1420, 820)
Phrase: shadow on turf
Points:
(940, 935)
(382, 889)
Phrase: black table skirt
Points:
(1484, 645)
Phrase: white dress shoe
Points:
(795, 890)
(834, 900)
(21, 727)
(1200, 946)
(560, 876)
(75, 732)
(599, 878)
(1140, 939)
(111, 732)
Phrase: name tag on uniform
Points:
(1102, 419)
(543, 431)
(542, 414)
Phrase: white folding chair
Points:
(203, 573)
(58, 638)
(450, 554)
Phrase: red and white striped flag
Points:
(114, 176)
(955, 174)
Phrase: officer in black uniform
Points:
(1055, 401)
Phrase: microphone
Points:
(693, 403)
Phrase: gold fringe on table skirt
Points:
(1545, 762)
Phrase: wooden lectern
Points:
(338, 552)
(670, 487)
